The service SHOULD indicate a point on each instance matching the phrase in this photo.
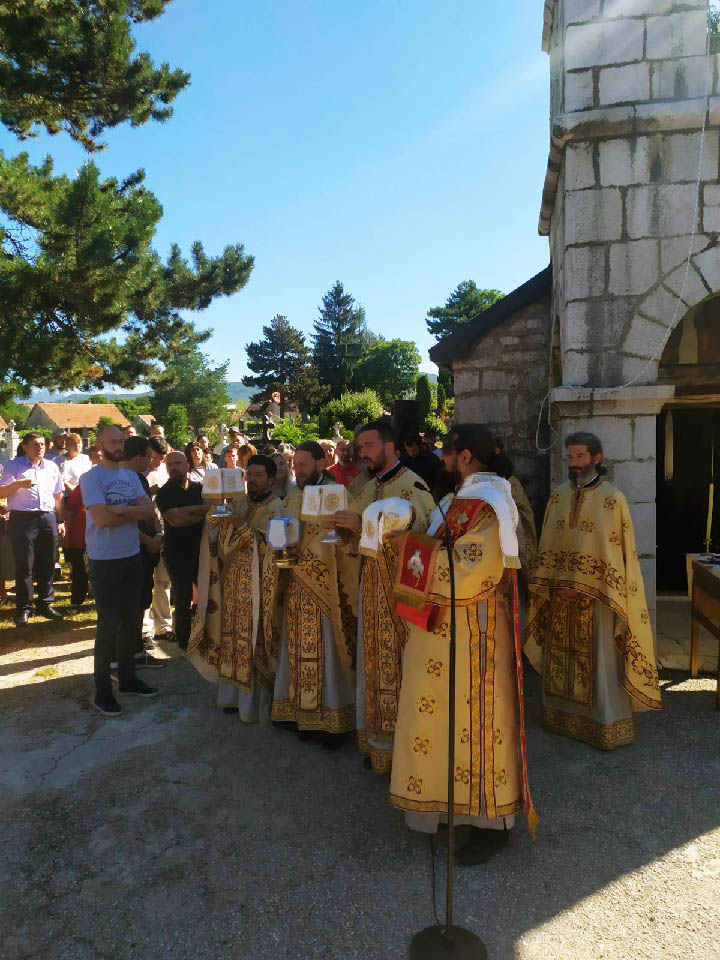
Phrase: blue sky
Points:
(398, 146)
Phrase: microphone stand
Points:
(447, 941)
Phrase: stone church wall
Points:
(502, 385)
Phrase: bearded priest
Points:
(234, 627)
(315, 682)
(490, 770)
(589, 633)
(382, 634)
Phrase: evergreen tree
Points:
(441, 399)
(424, 396)
(280, 362)
(71, 66)
(340, 333)
(445, 378)
(465, 303)
(77, 264)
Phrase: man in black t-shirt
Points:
(181, 505)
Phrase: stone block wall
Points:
(622, 183)
(503, 383)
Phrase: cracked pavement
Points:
(176, 833)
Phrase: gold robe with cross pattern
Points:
(320, 630)
(594, 652)
(487, 774)
(382, 634)
(229, 642)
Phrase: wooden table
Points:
(705, 610)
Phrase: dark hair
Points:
(479, 442)
(504, 466)
(159, 445)
(313, 448)
(135, 447)
(383, 428)
(412, 440)
(188, 450)
(260, 460)
(30, 436)
(582, 438)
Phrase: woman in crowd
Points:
(197, 462)
(329, 451)
(283, 481)
(247, 450)
(74, 464)
(74, 546)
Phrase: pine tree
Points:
(176, 425)
(424, 396)
(464, 304)
(338, 339)
(441, 399)
(280, 362)
(76, 261)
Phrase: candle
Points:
(711, 499)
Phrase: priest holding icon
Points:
(315, 683)
(234, 628)
(396, 499)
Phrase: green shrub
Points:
(294, 432)
(351, 409)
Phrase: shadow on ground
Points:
(176, 833)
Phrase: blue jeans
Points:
(117, 585)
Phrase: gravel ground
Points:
(176, 833)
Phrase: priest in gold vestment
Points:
(381, 632)
(234, 628)
(589, 632)
(315, 681)
(490, 772)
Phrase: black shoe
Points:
(107, 704)
(167, 637)
(22, 618)
(481, 846)
(48, 612)
(149, 662)
(136, 688)
(333, 741)
(231, 710)
(288, 725)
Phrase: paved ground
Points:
(175, 833)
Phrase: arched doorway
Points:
(688, 443)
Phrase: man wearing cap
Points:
(34, 491)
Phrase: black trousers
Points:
(117, 585)
(182, 576)
(78, 574)
(34, 541)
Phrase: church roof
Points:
(457, 345)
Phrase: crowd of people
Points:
(337, 623)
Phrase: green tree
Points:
(425, 397)
(189, 380)
(77, 265)
(294, 432)
(441, 399)
(339, 338)
(281, 362)
(71, 65)
(97, 398)
(128, 408)
(713, 27)
(350, 409)
(389, 367)
(464, 304)
(445, 379)
(12, 410)
(176, 425)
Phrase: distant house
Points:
(74, 417)
(143, 422)
(3, 425)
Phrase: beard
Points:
(583, 474)
(447, 482)
(112, 457)
(310, 482)
(178, 479)
(375, 467)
